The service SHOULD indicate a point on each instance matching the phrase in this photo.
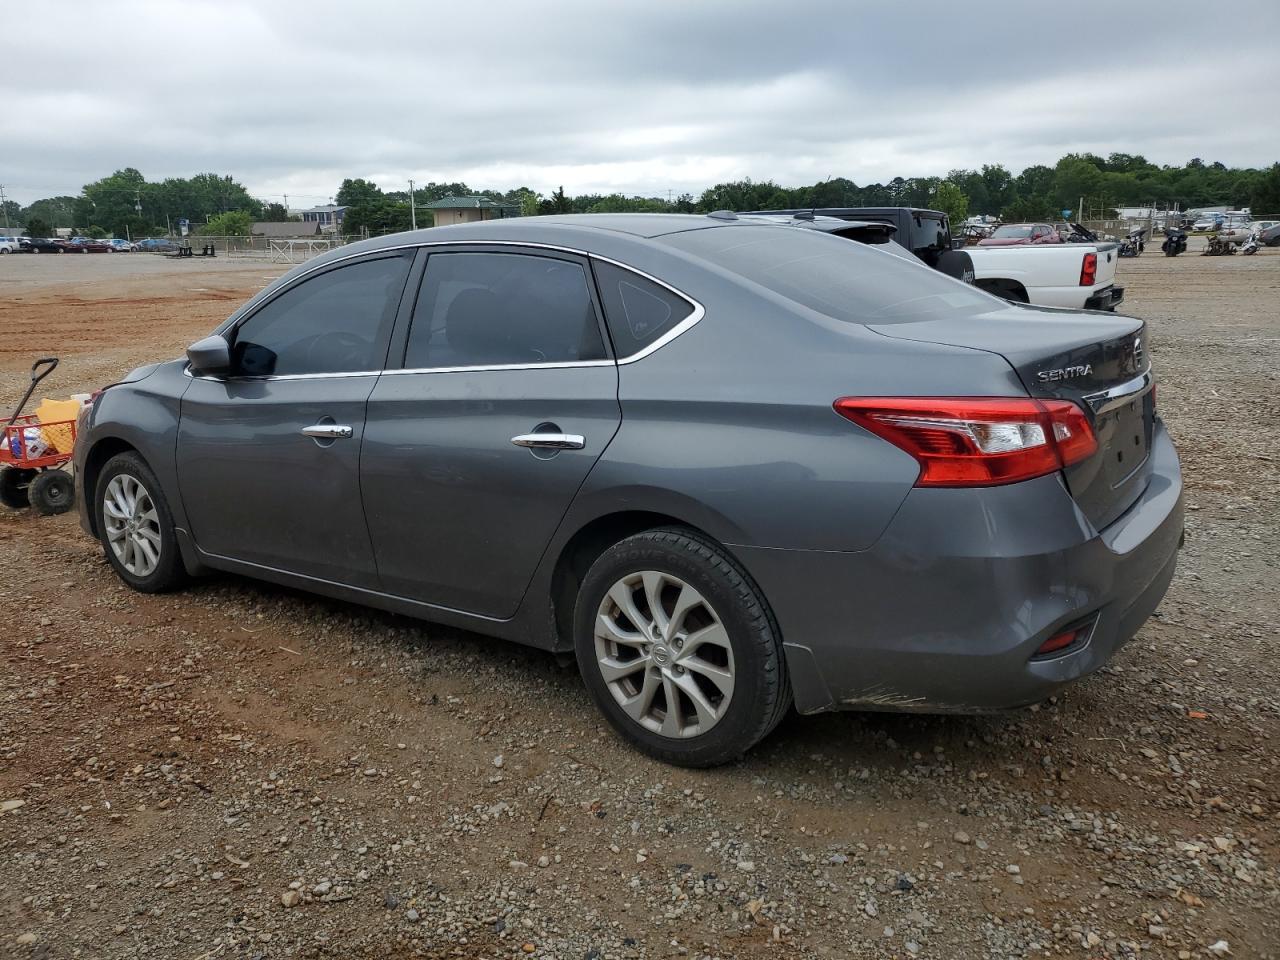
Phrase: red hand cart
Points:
(33, 453)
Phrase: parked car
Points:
(45, 245)
(1270, 236)
(1239, 233)
(121, 246)
(1080, 275)
(729, 463)
(1077, 275)
(90, 246)
(1021, 234)
(1209, 221)
(9, 245)
(156, 244)
(925, 233)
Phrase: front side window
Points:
(502, 309)
(337, 322)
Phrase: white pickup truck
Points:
(1078, 275)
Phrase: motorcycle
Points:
(1251, 245)
(1175, 242)
(1133, 244)
(1219, 246)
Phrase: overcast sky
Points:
(291, 97)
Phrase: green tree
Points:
(617, 203)
(354, 193)
(1075, 177)
(383, 216)
(950, 200)
(556, 203)
(52, 210)
(683, 203)
(1265, 197)
(38, 228)
(233, 223)
(1024, 209)
(277, 213)
(746, 195)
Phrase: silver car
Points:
(733, 465)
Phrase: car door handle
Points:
(328, 431)
(550, 441)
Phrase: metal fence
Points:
(266, 249)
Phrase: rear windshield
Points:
(841, 278)
(1012, 231)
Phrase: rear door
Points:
(474, 448)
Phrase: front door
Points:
(269, 456)
(475, 449)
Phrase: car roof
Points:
(629, 238)
(589, 232)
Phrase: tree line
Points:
(125, 203)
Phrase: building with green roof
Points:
(448, 210)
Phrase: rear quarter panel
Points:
(731, 427)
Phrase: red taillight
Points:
(977, 441)
(1089, 270)
(1058, 642)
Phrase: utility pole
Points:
(3, 208)
(413, 209)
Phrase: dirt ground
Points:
(243, 771)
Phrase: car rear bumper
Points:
(1106, 299)
(946, 611)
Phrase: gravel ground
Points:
(243, 771)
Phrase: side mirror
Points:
(210, 356)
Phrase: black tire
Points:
(15, 484)
(761, 694)
(169, 571)
(52, 492)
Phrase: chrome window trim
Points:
(283, 376)
(482, 368)
(683, 326)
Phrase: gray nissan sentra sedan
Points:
(731, 464)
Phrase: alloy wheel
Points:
(132, 524)
(664, 654)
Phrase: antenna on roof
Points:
(813, 211)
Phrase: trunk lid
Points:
(1094, 359)
(1108, 260)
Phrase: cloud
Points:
(290, 97)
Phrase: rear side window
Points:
(846, 281)
(639, 311)
(501, 309)
(336, 322)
